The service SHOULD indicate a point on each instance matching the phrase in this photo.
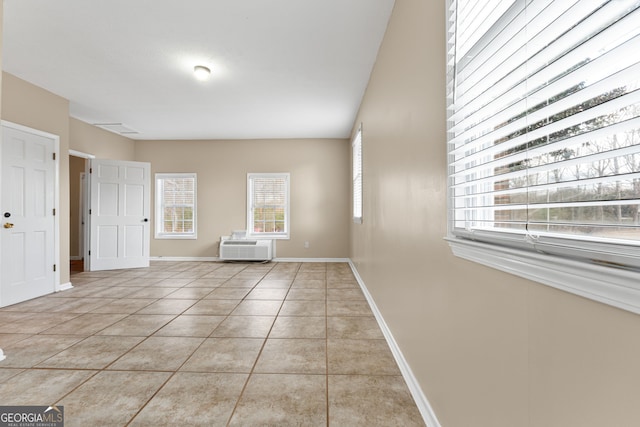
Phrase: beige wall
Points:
(319, 191)
(31, 106)
(488, 348)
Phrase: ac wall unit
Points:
(245, 250)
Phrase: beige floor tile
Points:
(174, 282)
(8, 339)
(228, 293)
(11, 316)
(309, 284)
(80, 305)
(303, 308)
(138, 325)
(206, 283)
(274, 284)
(114, 292)
(282, 400)
(152, 292)
(33, 350)
(299, 327)
(342, 284)
(293, 356)
(110, 398)
(353, 327)
(36, 323)
(360, 357)
(213, 307)
(311, 275)
(257, 308)
(348, 308)
(268, 294)
(190, 293)
(244, 327)
(125, 306)
(95, 352)
(236, 355)
(41, 386)
(345, 295)
(158, 354)
(306, 294)
(85, 324)
(195, 399)
(7, 373)
(168, 306)
(371, 401)
(240, 283)
(190, 326)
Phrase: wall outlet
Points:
(306, 245)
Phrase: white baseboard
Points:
(64, 287)
(181, 258)
(204, 259)
(311, 259)
(423, 404)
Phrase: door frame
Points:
(56, 197)
(85, 206)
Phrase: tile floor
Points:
(205, 343)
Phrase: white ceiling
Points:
(280, 68)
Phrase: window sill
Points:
(616, 287)
(176, 237)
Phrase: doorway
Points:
(77, 200)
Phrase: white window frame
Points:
(356, 157)
(565, 267)
(159, 205)
(250, 206)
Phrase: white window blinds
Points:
(175, 205)
(544, 125)
(357, 176)
(268, 204)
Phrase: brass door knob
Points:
(8, 225)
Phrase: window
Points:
(356, 157)
(268, 205)
(176, 206)
(544, 136)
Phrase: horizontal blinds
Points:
(544, 119)
(268, 196)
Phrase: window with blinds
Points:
(268, 205)
(544, 126)
(356, 157)
(175, 206)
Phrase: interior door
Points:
(119, 214)
(27, 202)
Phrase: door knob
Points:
(8, 225)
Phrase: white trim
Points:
(81, 154)
(56, 197)
(428, 415)
(311, 260)
(205, 259)
(159, 206)
(64, 287)
(613, 286)
(183, 258)
(286, 234)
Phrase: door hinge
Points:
(90, 170)
(89, 253)
(89, 211)
(54, 156)
(54, 267)
(54, 211)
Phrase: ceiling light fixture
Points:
(201, 72)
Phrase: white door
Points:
(119, 214)
(27, 203)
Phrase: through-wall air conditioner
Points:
(245, 249)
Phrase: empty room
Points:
(286, 213)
